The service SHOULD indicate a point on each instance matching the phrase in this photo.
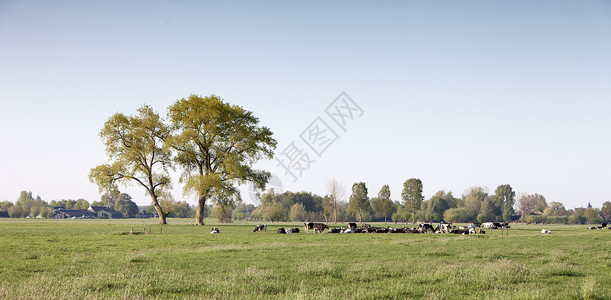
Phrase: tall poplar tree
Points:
(412, 195)
(359, 201)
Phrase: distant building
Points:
(105, 212)
(62, 213)
(145, 215)
(589, 206)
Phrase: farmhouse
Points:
(105, 212)
(90, 213)
(61, 213)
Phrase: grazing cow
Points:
(281, 230)
(260, 228)
(214, 230)
(320, 227)
(308, 226)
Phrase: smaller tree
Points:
(15, 212)
(412, 195)
(241, 212)
(274, 212)
(359, 201)
(126, 206)
(336, 197)
(298, 212)
(4, 205)
(135, 147)
(222, 212)
(385, 205)
(605, 211)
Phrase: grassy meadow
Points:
(89, 259)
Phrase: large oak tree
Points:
(217, 144)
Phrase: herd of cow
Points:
(366, 228)
(474, 228)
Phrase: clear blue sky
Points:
(458, 94)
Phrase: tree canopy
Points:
(217, 144)
(136, 153)
(412, 195)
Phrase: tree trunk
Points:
(201, 210)
(160, 212)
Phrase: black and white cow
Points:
(260, 228)
(281, 230)
(308, 226)
(425, 228)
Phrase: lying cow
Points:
(352, 226)
(489, 225)
(260, 228)
(281, 230)
(214, 230)
(425, 228)
(337, 230)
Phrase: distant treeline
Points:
(475, 205)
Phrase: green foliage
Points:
(70, 204)
(384, 205)
(412, 195)
(222, 212)
(17, 212)
(217, 145)
(274, 212)
(458, 215)
(557, 209)
(605, 211)
(505, 199)
(532, 203)
(4, 205)
(437, 205)
(298, 213)
(359, 201)
(136, 152)
(125, 205)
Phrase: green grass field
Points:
(58, 259)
